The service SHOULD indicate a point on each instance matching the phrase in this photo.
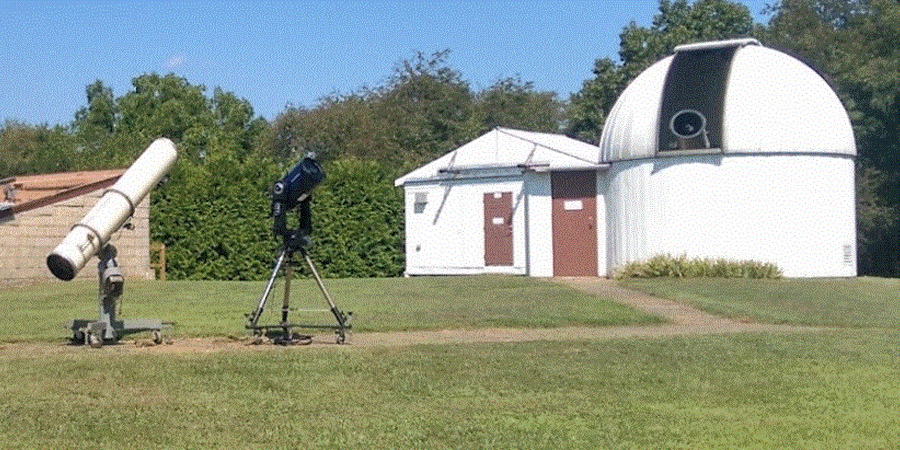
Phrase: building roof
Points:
(766, 102)
(33, 191)
(502, 149)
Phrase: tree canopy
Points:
(423, 110)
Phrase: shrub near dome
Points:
(683, 267)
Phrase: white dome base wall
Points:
(797, 211)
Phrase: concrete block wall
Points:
(26, 241)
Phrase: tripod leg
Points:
(286, 304)
(254, 316)
(338, 315)
(319, 280)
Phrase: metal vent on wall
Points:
(848, 254)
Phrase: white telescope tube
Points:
(112, 210)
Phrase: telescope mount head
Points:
(290, 192)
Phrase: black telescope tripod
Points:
(293, 191)
(295, 242)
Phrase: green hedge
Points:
(214, 220)
(684, 267)
(358, 221)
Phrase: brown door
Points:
(498, 240)
(574, 223)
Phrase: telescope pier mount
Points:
(282, 333)
(108, 328)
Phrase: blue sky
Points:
(279, 53)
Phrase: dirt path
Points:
(683, 320)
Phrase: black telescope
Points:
(297, 184)
(293, 190)
(288, 193)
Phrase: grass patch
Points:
(217, 308)
(830, 390)
(853, 302)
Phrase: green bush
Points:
(683, 267)
(214, 220)
(358, 221)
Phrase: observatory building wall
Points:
(31, 236)
(539, 238)
(446, 226)
(459, 227)
(797, 211)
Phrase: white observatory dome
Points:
(750, 99)
(731, 150)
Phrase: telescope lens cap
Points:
(61, 267)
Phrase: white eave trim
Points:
(717, 44)
(571, 168)
(493, 167)
(458, 177)
(486, 172)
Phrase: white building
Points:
(488, 207)
(724, 149)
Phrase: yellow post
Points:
(160, 263)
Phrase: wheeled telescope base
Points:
(107, 328)
(97, 332)
(282, 333)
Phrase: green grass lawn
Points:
(794, 391)
(216, 308)
(854, 302)
(835, 389)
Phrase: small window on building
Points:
(420, 203)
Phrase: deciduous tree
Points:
(514, 103)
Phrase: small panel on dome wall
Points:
(694, 100)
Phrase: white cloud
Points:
(174, 62)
